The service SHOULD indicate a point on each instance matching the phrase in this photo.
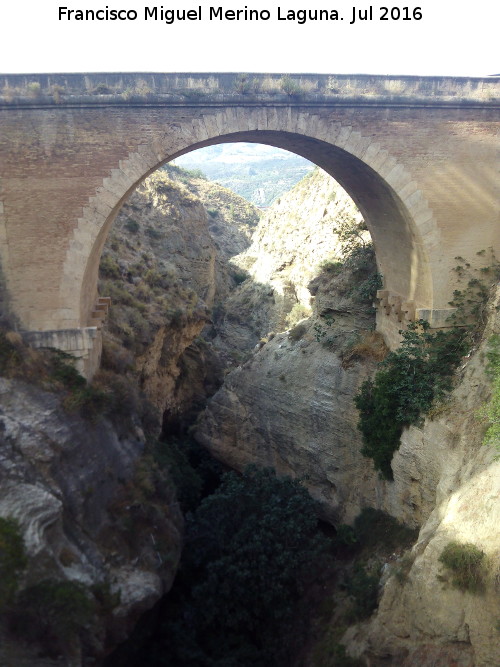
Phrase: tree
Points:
(250, 547)
(404, 388)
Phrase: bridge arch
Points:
(397, 214)
(419, 155)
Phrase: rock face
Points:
(67, 482)
(165, 267)
(290, 406)
(93, 508)
(292, 240)
(452, 485)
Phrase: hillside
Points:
(259, 173)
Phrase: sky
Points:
(450, 38)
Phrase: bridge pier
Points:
(85, 344)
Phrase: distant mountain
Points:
(257, 172)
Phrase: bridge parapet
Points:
(194, 89)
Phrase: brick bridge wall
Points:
(420, 156)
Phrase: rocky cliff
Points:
(290, 406)
(452, 485)
(274, 335)
(99, 542)
(80, 483)
(294, 237)
(165, 267)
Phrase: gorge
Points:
(250, 334)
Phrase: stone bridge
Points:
(419, 155)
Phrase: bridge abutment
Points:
(84, 344)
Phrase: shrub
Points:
(12, 560)
(242, 84)
(109, 268)
(369, 345)
(153, 234)
(403, 567)
(154, 279)
(367, 290)
(175, 455)
(239, 275)
(101, 89)
(491, 411)
(132, 226)
(250, 546)
(331, 266)
(470, 299)
(56, 91)
(297, 313)
(328, 652)
(466, 563)
(346, 541)
(362, 586)
(374, 527)
(404, 388)
(10, 355)
(63, 371)
(34, 89)
(53, 612)
(89, 401)
(298, 332)
(290, 87)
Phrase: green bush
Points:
(239, 276)
(362, 586)
(466, 563)
(63, 370)
(289, 86)
(242, 84)
(470, 299)
(331, 266)
(132, 226)
(404, 388)
(367, 290)
(250, 548)
(346, 541)
(54, 612)
(34, 89)
(101, 89)
(10, 356)
(297, 313)
(175, 456)
(298, 331)
(153, 234)
(109, 268)
(12, 560)
(89, 401)
(372, 529)
(328, 652)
